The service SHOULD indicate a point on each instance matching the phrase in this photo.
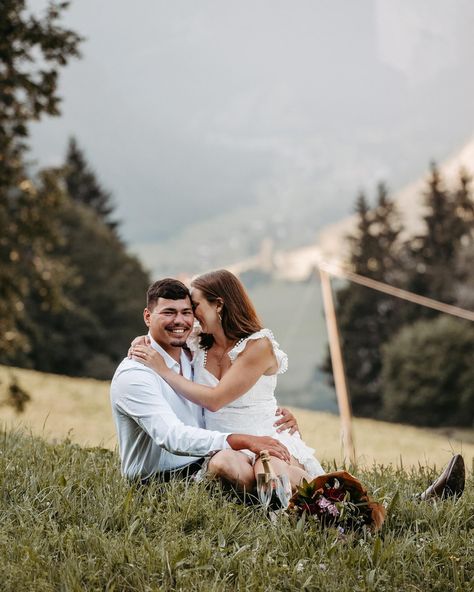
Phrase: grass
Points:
(70, 522)
(79, 409)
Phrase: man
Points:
(159, 432)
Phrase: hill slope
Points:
(79, 409)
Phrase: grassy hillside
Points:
(79, 409)
(70, 523)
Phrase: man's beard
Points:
(178, 341)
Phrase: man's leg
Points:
(235, 467)
(449, 483)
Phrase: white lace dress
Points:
(254, 412)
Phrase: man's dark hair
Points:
(167, 288)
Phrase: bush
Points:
(428, 373)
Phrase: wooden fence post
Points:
(338, 369)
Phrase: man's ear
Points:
(146, 317)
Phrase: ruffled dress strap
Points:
(281, 357)
(193, 340)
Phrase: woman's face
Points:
(205, 311)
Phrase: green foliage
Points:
(434, 255)
(104, 302)
(437, 264)
(428, 374)
(69, 522)
(32, 52)
(30, 268)
(70, 296)
(366, 318)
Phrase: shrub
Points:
(428, 373)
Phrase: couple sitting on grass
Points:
(189, 403)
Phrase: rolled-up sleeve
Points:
(141, 398)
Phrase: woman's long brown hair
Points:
(239, 317)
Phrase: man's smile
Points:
(178, 330)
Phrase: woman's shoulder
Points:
(258, 336)
(260, 343)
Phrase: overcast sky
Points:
(189, 107)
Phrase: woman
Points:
(236, 363)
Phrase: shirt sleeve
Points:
(142, 399)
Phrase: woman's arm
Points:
(249, 366)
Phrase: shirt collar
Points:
(169, 361)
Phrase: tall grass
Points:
(70, 522)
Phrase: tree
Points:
(105, 301)
(434, 254)
(30, 266)
(32, 52)
(428, 373)
(367, 318)
(84, 187)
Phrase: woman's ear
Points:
(220, 304)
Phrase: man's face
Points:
(170, 322)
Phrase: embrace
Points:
(190, 402)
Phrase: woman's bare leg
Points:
(235, 467)
(294, 470)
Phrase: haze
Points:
(248, 119)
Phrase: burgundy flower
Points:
(326, 497)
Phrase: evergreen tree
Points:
(434, 254)
(84, 187)
(366, 318)
(105, 301)
(464, 208)
(30, 266)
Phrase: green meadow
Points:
(71, 523)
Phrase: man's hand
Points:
(258, 443)
(287, 421)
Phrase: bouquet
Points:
(338, 499)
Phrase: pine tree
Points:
(367, 318)
(105, 301)
(434, 253)
(84, 187)
(30, 267)
(464, 208)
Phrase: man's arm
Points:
(140, 397)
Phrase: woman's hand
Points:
(150, 357)
(140, 340)
(287, 421)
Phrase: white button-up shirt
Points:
(157, 428)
